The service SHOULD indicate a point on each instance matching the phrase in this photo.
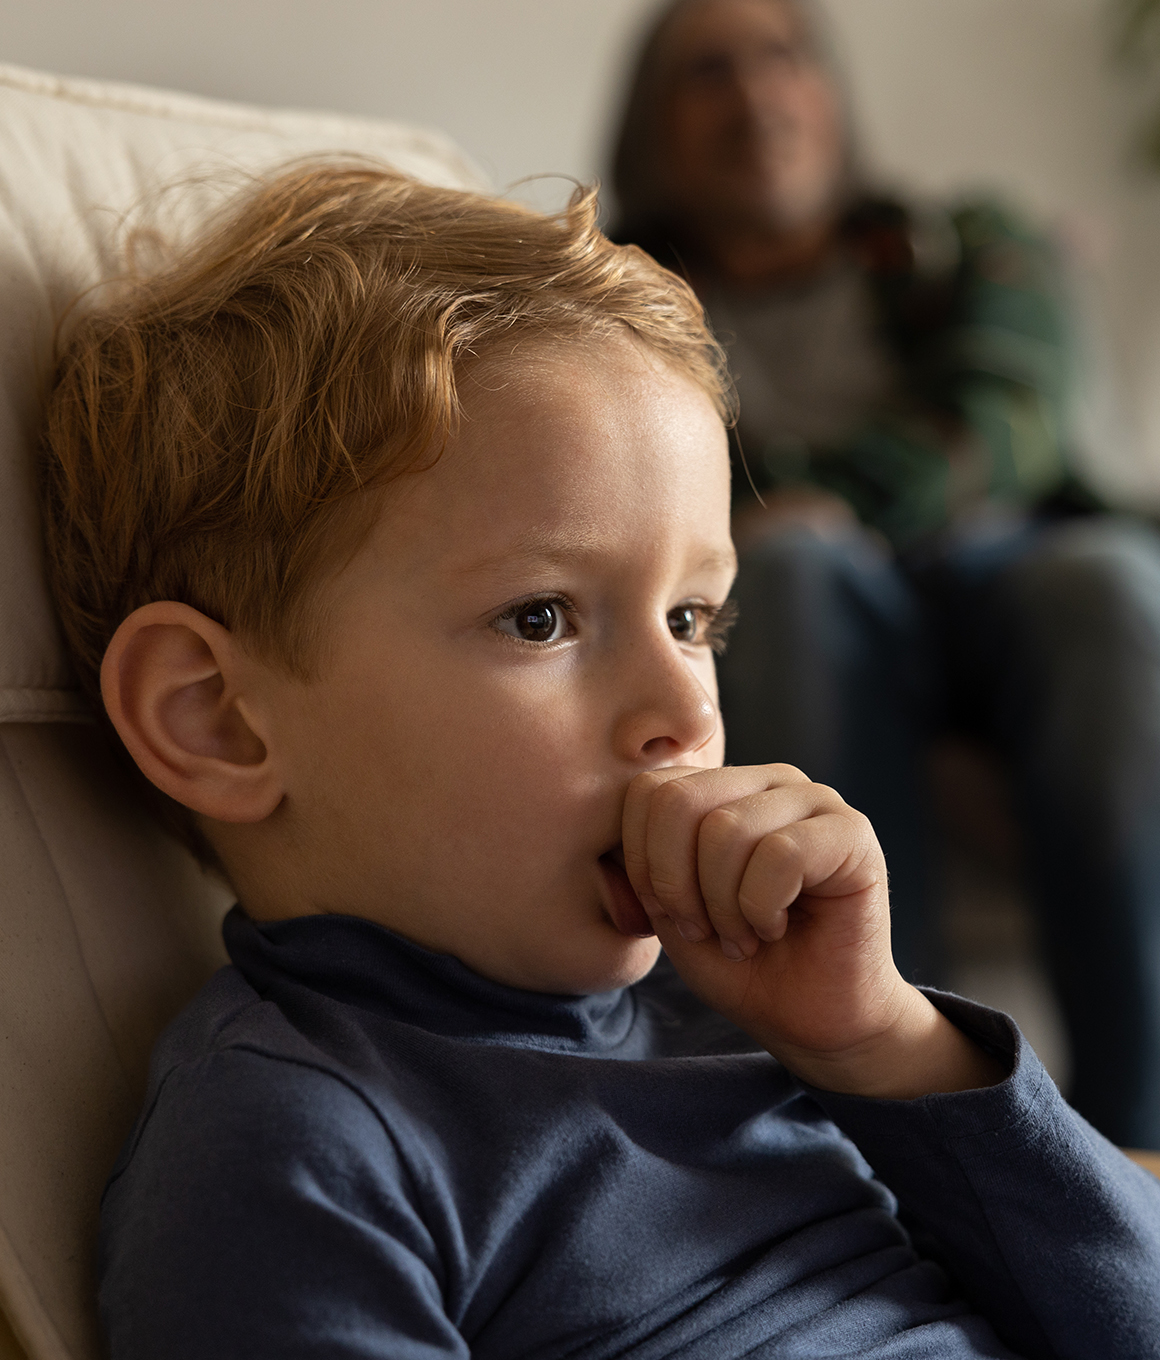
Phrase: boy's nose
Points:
(668, 713)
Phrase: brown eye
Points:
(534, 621)
(683, 623)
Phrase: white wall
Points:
(1016, 95)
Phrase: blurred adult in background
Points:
(921, 557)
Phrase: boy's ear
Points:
(173, 682)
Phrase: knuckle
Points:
(758, 905)
(863, 830)
(725, 919)
(635, 862)
(786, 774)
(829, 797)
(778, 854)
(669, 889)
(775, 867)
(754, 906)
(861, 821)
(647, 781)
(674, 798)
(719, 828)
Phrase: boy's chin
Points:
(621, 961)
(632, 958)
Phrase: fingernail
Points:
(690, 932)
(732, 950)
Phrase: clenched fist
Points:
(769, 894)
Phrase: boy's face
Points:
(523, 633)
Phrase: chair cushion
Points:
(106, 929)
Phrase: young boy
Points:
(392, 523)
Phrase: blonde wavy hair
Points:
(211, 424)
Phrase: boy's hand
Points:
(769, 895)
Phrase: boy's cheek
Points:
(715, 750)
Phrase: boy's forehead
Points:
(569, 456)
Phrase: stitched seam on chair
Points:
(37, 1324)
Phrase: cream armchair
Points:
(106, 927)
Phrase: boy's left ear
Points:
(176, 687)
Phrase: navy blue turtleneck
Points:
(354, 1148)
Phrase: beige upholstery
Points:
(106, 927)
(105, 930)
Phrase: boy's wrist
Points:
(920, 1053)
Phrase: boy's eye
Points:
(705, 624)
(535, 621)
(684, 623)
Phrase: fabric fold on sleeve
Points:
(1048, 1229)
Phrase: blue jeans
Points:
(1042, 638)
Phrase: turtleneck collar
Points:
(360, 963)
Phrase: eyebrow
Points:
(556, 549)
(716, 560)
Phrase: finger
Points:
(674, 815)
(674, 809)
(729, 836)
(833, 855)
(634, 832)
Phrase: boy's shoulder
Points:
(233, 1065)
(253, 1142)
(228, 1018)
(227, 1010)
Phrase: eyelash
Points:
(716, 620)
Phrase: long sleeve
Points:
(1047, 1228)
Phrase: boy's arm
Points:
(1046, 1227)
(769, 895)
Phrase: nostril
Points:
(657, 745)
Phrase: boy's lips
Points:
(621, 903)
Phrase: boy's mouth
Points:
(620, 902)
